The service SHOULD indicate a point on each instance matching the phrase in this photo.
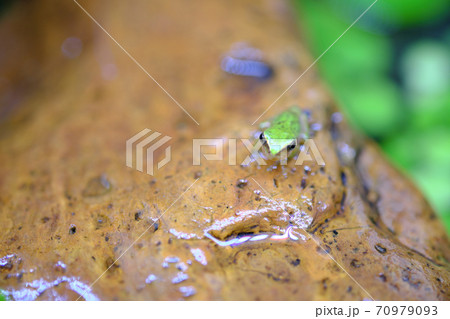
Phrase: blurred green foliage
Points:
(391, 74)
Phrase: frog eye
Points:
(290, 147)
(261, 137)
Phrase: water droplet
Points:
(172, 259)
(187, 291)
(151, 278)
(71, 47)
(244, 60)
(180, 277)
(336, 117)
(97, 186)
(109, 71)
(199, 256)
(60, 266)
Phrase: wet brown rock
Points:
(65, 117)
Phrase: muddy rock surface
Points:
(77, 223)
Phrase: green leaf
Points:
(373, 104)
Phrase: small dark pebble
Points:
(380, 249)
(138, 215)
(72, 229)
(198, 174)
(275, 183)
(355, 263)
(111, 263)
(8, 265)
(303, 183)
(242, 183)
(295, 262)
(343, 179)
(324, 283)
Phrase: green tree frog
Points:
(283, 133)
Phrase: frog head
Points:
(275, 141)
